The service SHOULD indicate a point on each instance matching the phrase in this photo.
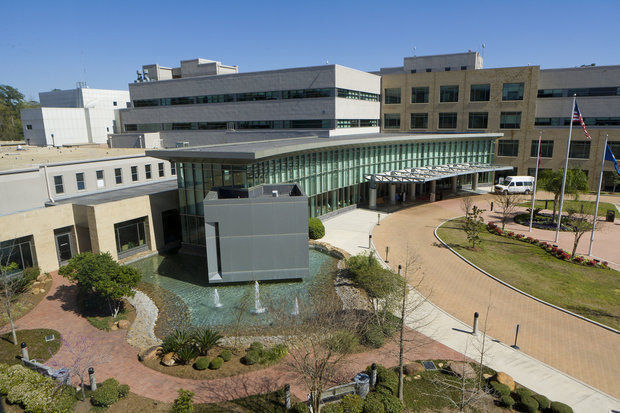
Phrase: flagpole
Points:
(538, 155)
(598, 196)
(570, 131)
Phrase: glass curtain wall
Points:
(332, 179)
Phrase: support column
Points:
(372, 202)
(433, 188)
(392, 189)
(411, 193)
(454, 179)
(474, 181)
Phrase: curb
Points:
(613, 330)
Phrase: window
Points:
(419, 94)
(419, 120)
(130, 235)
(546, 149)
(413, 70)
(160, 168)
(447, 69)
(463, 67)
(507, 147)
(480, 93)
(449, 94)
(579, 150)
(588, 91)
(173, 168)
(306, 93)
(100, 179)
(478, 120)
(512, 91)
(510, 120)
(392, 96)
(615, 148)
(147, 171)
(29, 127)
(391, 120)
(79, 178)
(429, 70)
(134, 173)
(550, 93)
(114, 103)
(254, 96)
(19, 251)
(447, 120)
(59, 187)
(118, 175)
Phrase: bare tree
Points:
(12, 284)
(472, 225)
(82, 354)
(506, 204)
(241, 312)
(578, 223)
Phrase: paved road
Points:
(581, 349)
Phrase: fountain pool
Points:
(184, 276)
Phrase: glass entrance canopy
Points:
(433, 172)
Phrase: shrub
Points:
(352, 403)
(543, 402)
(104, 396)
(373, 336)
(205, 339)
(257, 346)
(274, 354)
(110, 382)
(226, 355)
(392, 404)
(201, 363)
(332, 408)
(527, 404)
(175, 341)
(216, 363)
(123, 390)
(29, 274)
(506, 401)
(500, 389)
(557, 407)
(316, 229)
(251, 357)
(522, 393)
(373, 403)
(186, 354)
(300, 407)
(344, 342)
(184, 403)
(386, 378)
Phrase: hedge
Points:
(499, 388)
(527, 405)
(332, 408)
(201, 363)
(300, 407)
(216, 363)
(506, 401)
(352, 403)
(226, 355)
(104, 396)
(557, 407)
(316, 229)
(373, 403)
(543, 402)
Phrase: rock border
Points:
(141, 334)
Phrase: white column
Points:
(411, 194)
(392, 189)
(474, 182)
(372, 203)
(433, 188)
(454, 184)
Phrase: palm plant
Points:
(186, 353)
(205, 339)
(175, 341)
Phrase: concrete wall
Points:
(84, 98)
(438, 63)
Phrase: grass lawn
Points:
(106, 322)
(38, 348)
(26, 302)
(588, 206)
(591, 292)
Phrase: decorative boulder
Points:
(504, 378)
(41, 278)
(168, 360)
(123, 324)
(461, 369)
(412, 369)
(149, 353)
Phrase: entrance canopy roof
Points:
(434, 173)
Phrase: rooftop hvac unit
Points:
(274, 194)
(182, 144)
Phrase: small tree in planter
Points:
(473, 223)
(506, 205)
(578, 224)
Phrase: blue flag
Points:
(609, 156)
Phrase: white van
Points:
(515, 185)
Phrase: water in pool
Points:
(221, 304)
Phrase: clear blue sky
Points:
(41, 42)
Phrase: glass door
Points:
(64, 247)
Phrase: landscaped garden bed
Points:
(38, 285)
(588, 206)
(588, 291)
(38, 348)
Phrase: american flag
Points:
(577, 117)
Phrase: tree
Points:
(12, 283)
(551, 181)
(578, 224)
(100, 275)
(11, 102)
(472, 225)
(506, 204)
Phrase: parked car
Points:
(515, 185)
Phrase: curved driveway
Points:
(581, 349)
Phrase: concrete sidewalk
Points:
(350, 231)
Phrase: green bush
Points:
(257, 346)
(110, 382)
(527, 405)
(274, 354)
(216, 363)
(557, 407)
(251, 357)
(104, 396)
(506, 401)
(172, 343)
(373, 403)
(300, 407)
(332, 408)
(373, 336)
(186, 354)
(316, 229)
(184, 403)
(352, 403)
(391, 403)
(226, 355)
(543, 402)
(123, 391)
(368, 274)
(522, 393)
(343, 342)
(201, 363)
(29, 275)
(205, 339)
(499, 388)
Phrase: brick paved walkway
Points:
(581, 349)
(57, 311)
